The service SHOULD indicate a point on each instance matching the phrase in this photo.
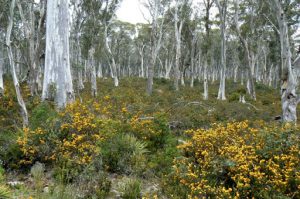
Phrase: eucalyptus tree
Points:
(1, 72)
(32, 15)
(178, 23)
(248, 39)
(222, 7)
(208, 4)
(142, 43)
(77, 63)
(156, 9)
(57, 78)
(12, 63)
(289, 97)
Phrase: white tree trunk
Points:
(92, 68)
(156, 36)
(1, 73)
(178, 30)
(205, 82)
(236, 69)
(12, 64)
(289, 98)
(141, 51)
(57, 65)
(99, 71)
(182, 79)
(80, 82)
(270, 79)
(223, 12)
(113, 64)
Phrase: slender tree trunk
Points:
(1, 73)
(289, 98)
(178, 30)
(270, 79)
(223, 12)
(100, 71)
(205, 82)
(141, 51)
(156, 37)
(92, 68)
(57, 65)
(80, 82)
(12, 64)
(114, 70)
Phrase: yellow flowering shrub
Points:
(152, 129)
(239, 161)
(72, 137)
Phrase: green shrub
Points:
(37, 172)
(10, 153)
(154, 130)
(5, 192)
(41, 115)
(93, 183)
(130, 188)
(124, 154)
(234, 97)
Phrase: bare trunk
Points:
(57, 77)
(114, 71)
(205, 82)
(223, 12)
(12, 64)
(270, 79)
(178, 30)
(80, 82)
(289, 98)
(156, 37)
(93, 72)
(1, 73)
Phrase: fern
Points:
(4, 192)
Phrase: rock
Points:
(15, 183)
(46, 190)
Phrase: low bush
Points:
(124, 154)
(130, 188)
(154, 130)
(93, 183)
(239, 161)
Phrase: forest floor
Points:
(125, 167)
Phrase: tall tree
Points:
(156, 10)
(289, 98)
(12, 64)
(247, 43)
(222, 7)
(57, 78)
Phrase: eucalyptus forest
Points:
(199, 100)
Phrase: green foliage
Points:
(4, 192)
(130, 188)
(234, 97)
(124, 154)
(93, 183)
(37, 172)
(42, 115)
(9, 149)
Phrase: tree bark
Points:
(12, 64)
(1, 73)
(223, 12)
(57, 77)
(289, 98)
